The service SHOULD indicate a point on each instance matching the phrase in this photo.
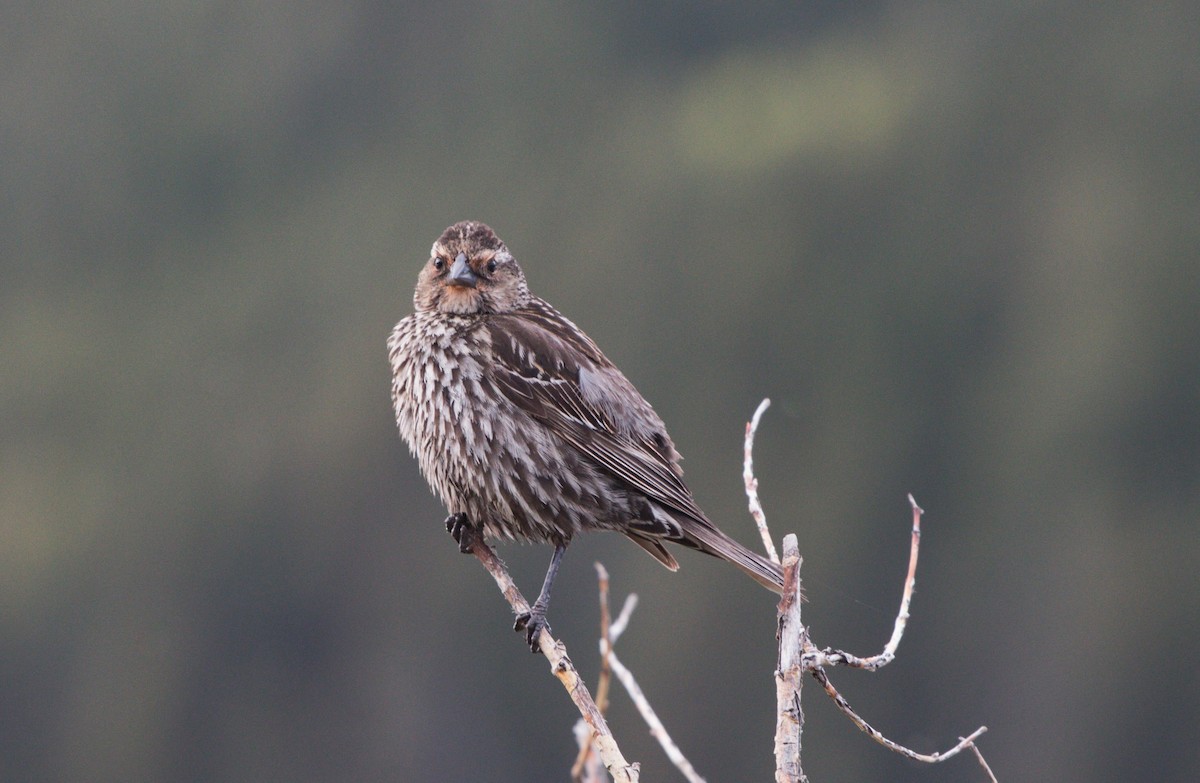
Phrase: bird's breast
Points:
(438, 390)
(479, 452)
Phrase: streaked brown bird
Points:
(526, 430)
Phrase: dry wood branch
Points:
(814, 660)
(556, 653)
(657, 730)
(982, 762)
(866, 728)
(605, 634)
(831, 657)
(797, 654)
(610, 632)
(588, 768)
(603, 683)
(756, 509)
(622, 622)
(792, 637)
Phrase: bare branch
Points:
(605, 634)
(756, 510)
(657, 730)
(580, 768)
(814, 660)
(792, 637)
(555, 652)
(797, 654)
(831, 657)
(608, 638)
(982, 763)
(622, 622)
(610, 664)
(929, 758)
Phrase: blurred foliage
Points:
(956, 245)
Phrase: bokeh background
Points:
(958, 245)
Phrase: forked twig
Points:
(610, 632)
(815, 660)
(793, 636)
(831, 657)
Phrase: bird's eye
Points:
(439, 263)
(491, 266)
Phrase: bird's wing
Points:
(551, 370)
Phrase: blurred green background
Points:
(958, 245)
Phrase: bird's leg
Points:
(533, 621)
(459, 526)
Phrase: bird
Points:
(526, 431)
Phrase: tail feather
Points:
(703, 536)
(656, 550)
(711, 541)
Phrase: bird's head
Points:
(470, 272)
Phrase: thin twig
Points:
(604, 680)
(982, 763)
(622, 622)
(556, 652)
(580, 770)
(831, 657)
(657, 730)
(874, 733)
(815, 660)
(613, 663)
(756, 509)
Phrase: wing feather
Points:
(552, 371)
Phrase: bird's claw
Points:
(532, 623)
(459, 526)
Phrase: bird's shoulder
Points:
(554, 369)
(536, 339)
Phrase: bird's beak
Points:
(460, 273)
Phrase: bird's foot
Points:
(532, 623)
(459, 526)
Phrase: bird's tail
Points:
(711, 541)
